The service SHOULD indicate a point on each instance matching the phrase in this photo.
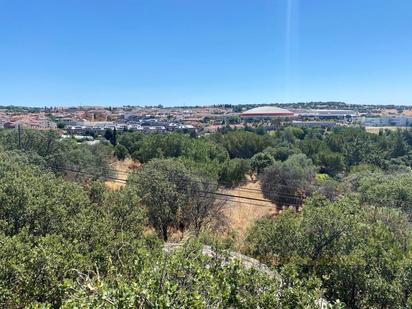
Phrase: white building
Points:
(266, 112)
(396, 121)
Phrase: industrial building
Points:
(397, 121)
(326, 114)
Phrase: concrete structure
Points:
(265, 112)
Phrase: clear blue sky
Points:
(176, 52)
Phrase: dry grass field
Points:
(406, 112)
(241, 214)
(121, 168)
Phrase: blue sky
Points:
(184, 52)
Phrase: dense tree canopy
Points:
(243, 144)
(233, 172)
(48, 150)
(387, 190)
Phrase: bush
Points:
(358, 254)
(287, 183)
(186, 278)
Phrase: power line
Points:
(237, 196)
(265, 191)
(94, 175)
(206, 192)
(245, 203)
(291, 197)
(283, 194)
(224, 183)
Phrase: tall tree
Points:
(260, 161)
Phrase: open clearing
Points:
(241, 214)
(122, 168)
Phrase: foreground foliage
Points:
(65, 246)
(362, 257)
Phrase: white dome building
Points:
(267, 112)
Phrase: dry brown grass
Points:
(121, 168)
(406, 112)
(240, 215)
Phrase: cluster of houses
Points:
(99, 128)
(38, 121)
(95, 121)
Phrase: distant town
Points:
(94, 121)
